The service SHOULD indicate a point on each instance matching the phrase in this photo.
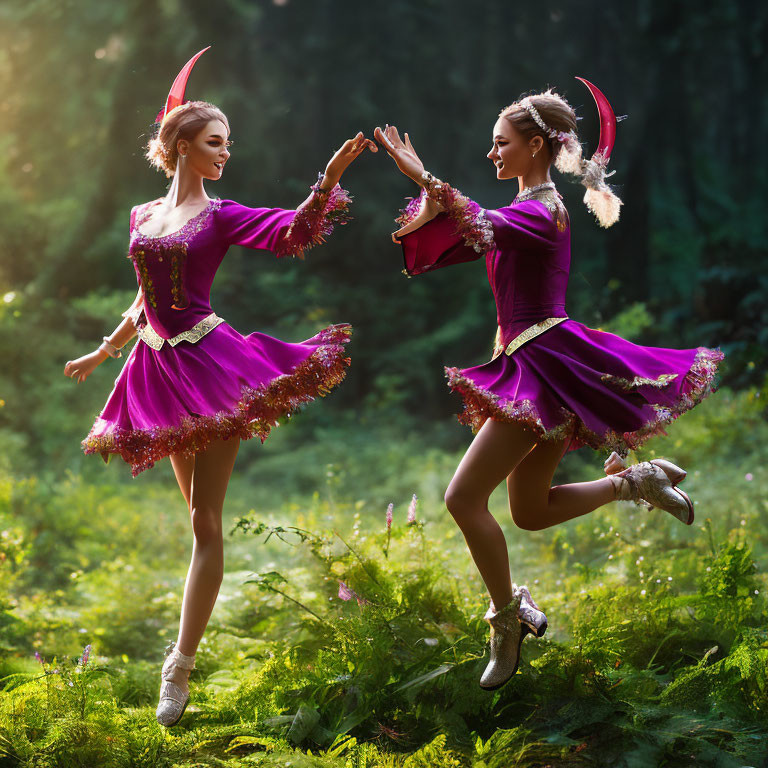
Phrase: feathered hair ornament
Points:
(599, 197)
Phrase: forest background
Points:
(91, 557)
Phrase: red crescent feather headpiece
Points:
(176, 94)
(607, 120)
(599, 197)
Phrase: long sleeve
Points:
(433, 245)
(284, 232)
(443, 227)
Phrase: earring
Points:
(533, 155)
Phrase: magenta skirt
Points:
(176, 400)
(587, 386)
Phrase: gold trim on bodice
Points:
(153, 339)
(529, 333)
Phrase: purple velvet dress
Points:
(191, 378)
(549, 373)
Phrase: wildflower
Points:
(345, 593)
(38, 657)
(389, 515)
(642, 591)
(86, 655)
(749, 477)
(412, 510)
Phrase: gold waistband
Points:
(153, 339)
(529, 333)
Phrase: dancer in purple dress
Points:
(553, 384)
(192, 386)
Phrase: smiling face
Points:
(512, 153)
(207, 153)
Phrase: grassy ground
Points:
(656, 653)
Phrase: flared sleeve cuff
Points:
(315, 220)
(416, 213)
(469, 219)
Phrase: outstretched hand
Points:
(402, 152)
(83, 367)
(347, 152)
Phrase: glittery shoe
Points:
(533, 619)
(506, 639)
(173, 701)
(651, 483)
(614, 464)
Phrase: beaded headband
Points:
(552, 133)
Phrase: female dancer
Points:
(192, 386)
(553, 384)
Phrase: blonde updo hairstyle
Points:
(559, 115)
(565, 150)
(182, 122)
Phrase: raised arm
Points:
(441, 226)
(291, 232)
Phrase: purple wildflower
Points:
(86, 655)
(345, 593)
(389, 515)
(38, 657)
(412, 510)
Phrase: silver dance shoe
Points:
(173, 701)
(506, 639)
(652, 483)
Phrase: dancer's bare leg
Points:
(536, 505)
(495, 452)
(210, 476)
(183, 467)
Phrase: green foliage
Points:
(630, 322)
(657, 647)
